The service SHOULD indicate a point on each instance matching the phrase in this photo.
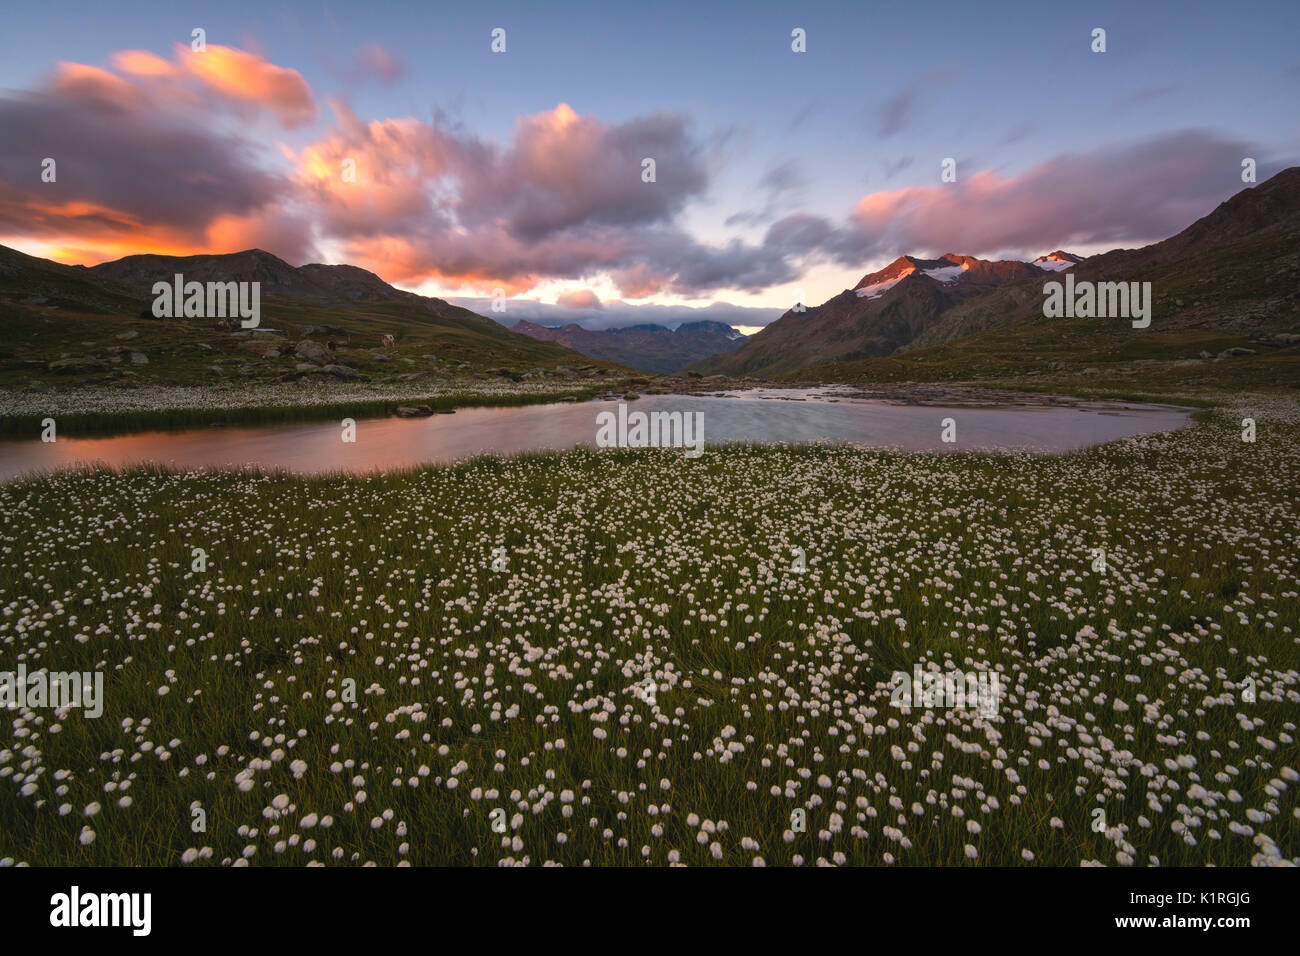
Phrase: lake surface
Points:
(786, 415)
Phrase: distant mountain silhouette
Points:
(647, 347)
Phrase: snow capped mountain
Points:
(886, 310)
(876, 284)
(950, 269)
(1058, 260)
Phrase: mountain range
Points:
(646, 347)
(96, 324)
(886, 310)
(1226, 291)
(1231, 276)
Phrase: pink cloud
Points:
(1118, 193)
(579, 299)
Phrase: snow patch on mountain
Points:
(946, 273)
(877, 289)
(1057, 261)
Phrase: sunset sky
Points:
(776, 171)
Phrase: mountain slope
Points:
(1232, 271)
(314, 282)
(648, 348)
(31, 281)
(884, 311)
(74, 321)
(1254, 231)
(1226, 314)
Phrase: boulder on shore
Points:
(77, 366)
(312, 352)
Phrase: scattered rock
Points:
(413, 411)
(312, 352)
(139, 358)
(340, 371)
(129, 334)
(217, 370)
(77, 366)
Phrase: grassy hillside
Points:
(62, 326)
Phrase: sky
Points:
(779, 176)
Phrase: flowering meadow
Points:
(646, 679)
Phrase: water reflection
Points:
(757, 415)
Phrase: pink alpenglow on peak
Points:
(1057, 261)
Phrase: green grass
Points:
(625, 564)
(428, 348)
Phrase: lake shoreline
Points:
(970, 422)
(106, 412)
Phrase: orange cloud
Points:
(579, 299)
(91, 84)
(398, 260)
(248, 78)
(86, 234)
(373, 177)
(142, 63)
